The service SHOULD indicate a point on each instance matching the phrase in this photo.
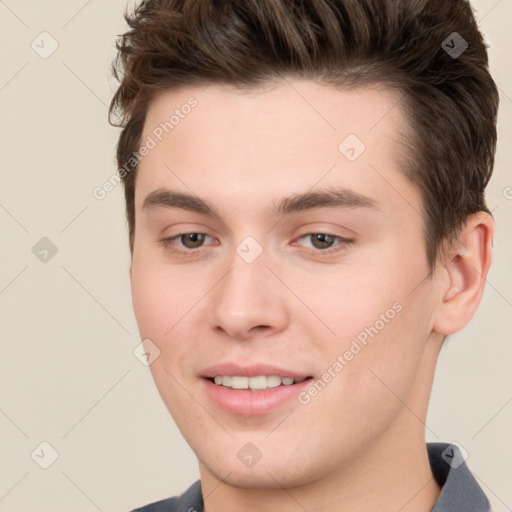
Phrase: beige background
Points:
(68, 375)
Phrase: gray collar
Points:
(460, 490)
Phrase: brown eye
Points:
(192, 240)
(324, 244)
(187, 244)
(322, 240)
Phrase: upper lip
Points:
(253, 370)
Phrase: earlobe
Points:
(465, 266)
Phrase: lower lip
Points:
(252, 403)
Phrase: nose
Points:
(249, 300)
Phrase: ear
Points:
(464, 269)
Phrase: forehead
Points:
(291, 109)
(260, 143)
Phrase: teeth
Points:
(254, 383)
(258, 382)
(273, 381)
(239, 382)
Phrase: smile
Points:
(256, 383)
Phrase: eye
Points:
(192, 240)
(189, 241)
(325, 243)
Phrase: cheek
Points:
(349, 300)
(381, 325)
(157, 299)
(159, 304)
(377, 377)
(149, 304)
(165, 304)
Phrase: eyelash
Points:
(343, 244)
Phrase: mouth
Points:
(252, 390)
(256, 383)
(254, 396)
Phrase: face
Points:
(276, 236)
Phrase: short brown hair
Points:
(451, 100)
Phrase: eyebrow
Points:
(340, 198)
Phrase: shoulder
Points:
(190, 501)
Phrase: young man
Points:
(304, 184)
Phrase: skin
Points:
(360, 443)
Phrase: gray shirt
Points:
(460, 491)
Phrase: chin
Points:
(264, 475)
